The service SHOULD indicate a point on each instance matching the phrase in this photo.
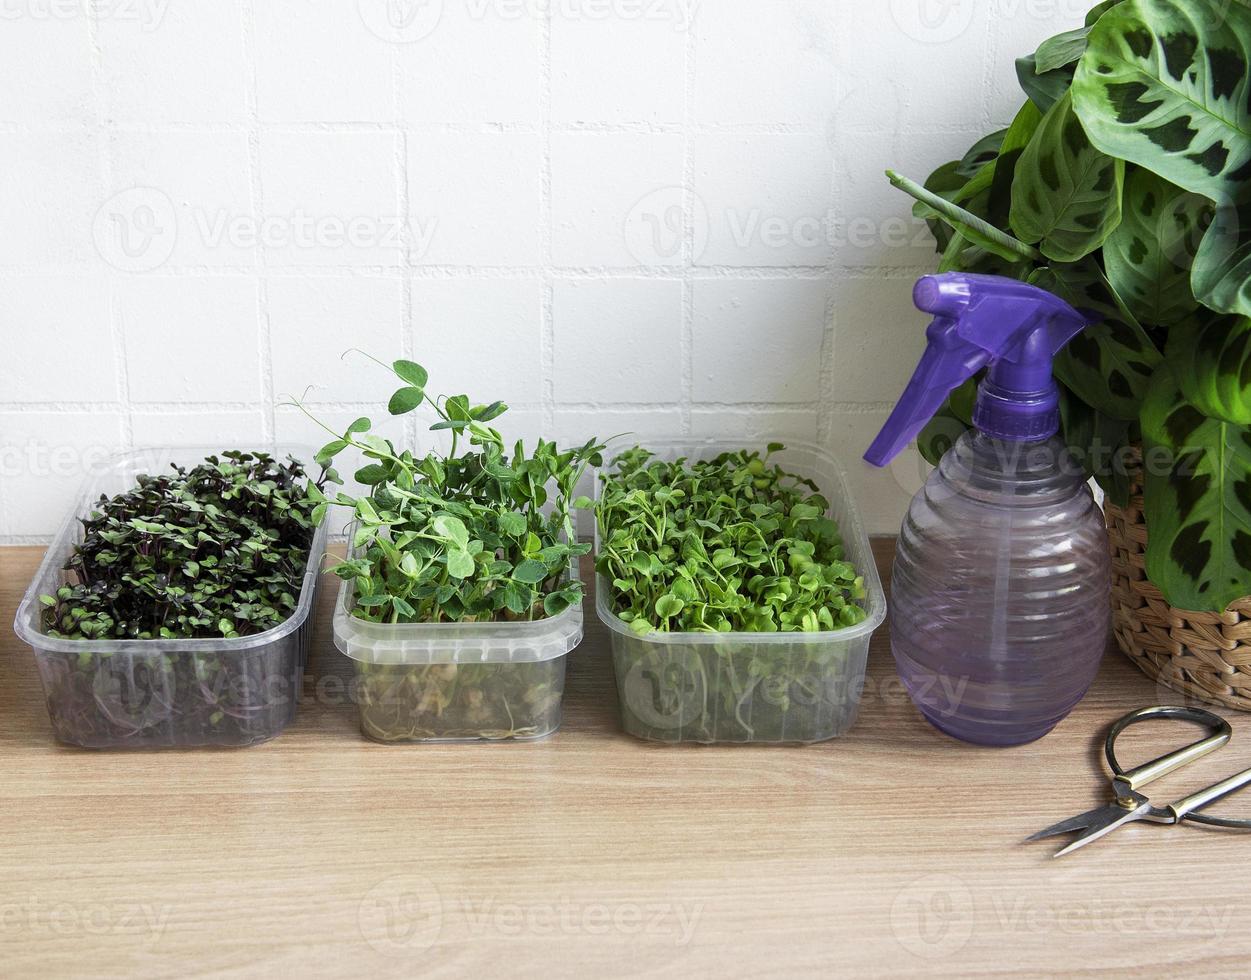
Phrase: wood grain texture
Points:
(893, 850)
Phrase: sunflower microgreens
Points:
(731, 544)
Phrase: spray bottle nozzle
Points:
(1013, 327)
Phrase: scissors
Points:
(1128, 805)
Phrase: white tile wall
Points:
(647, 216)
(598, 182)
(190, 340)
(617, 341)
(475, 199)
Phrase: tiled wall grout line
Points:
(993, 37)
(687, 336)
(547, 289)
(257, 190)
(537, 272)
(475, 128)
(408, 327)
(158, 409)
(117, 326)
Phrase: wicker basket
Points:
(1204, 655)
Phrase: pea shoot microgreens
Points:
(472, 535)
(731, 544)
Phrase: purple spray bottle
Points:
(999, 606)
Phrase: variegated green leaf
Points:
(1061, 50)
(1221, 277)
(1197, 489)
(1044, 90)
(1210, 356)
(1017, 138)
(1099, 9)
(1046, 85)
(1148, 257)
(1166, 84)
(1099, 442)
(1109, 364)
(939, 434)
(1066, 195)
(982, 152)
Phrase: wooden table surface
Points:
(893, 850)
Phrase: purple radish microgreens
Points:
(217, 550)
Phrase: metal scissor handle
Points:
(1127, 782)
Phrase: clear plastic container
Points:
(763, 688)
(457, 682)
(148, 694)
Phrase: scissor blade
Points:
(1082, 821)
(1119, 818)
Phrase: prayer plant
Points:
(1124, 185)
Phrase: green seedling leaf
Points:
(371, 475)
(531, 572)
(451, 528)
(460, 563)
(405, 400)
(411, 373)
(513, 524)
(376, 445)
(668, 606)
(329, 451)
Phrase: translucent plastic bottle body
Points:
(1000, 596)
